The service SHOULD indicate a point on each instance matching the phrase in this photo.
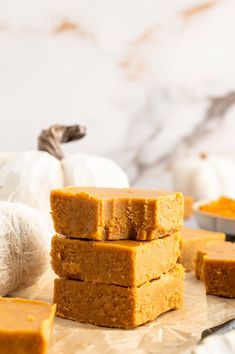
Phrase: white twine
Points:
(23, 246)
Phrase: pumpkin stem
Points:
(50, 139)
(203, 156)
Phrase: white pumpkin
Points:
(205, 177)
(28, 177)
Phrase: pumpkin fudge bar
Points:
(117, 306)
(112, 214)
(215, 265)
(25, 326)
(123, 262)
(192, 241)
(188, 206)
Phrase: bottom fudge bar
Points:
(215, 265)
(117, 306)
(25, 326)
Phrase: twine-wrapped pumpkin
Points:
(24, 244)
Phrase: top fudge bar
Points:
(115, 214)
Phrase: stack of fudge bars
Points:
(115, 253)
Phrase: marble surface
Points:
(153, 81)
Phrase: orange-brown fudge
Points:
(192, 241)
(124, 262)
(112, 214)
(188, 206)
(25, 326)
(118, 306)
(215, 265)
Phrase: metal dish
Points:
(212, 222)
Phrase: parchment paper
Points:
(172, 333)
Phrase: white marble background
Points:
(153, 80)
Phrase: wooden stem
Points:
(50, 139)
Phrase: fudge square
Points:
(25, 326)
(188, 206)
(118, 306)
(192, 240)
(112, 214)
(216, 267)
(123, 262)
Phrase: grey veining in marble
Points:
(154, 81)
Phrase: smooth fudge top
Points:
(220, 250)
(114, 193)
(115, 213)
(21, 315)
(188, 234)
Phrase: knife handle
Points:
(220, 329)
